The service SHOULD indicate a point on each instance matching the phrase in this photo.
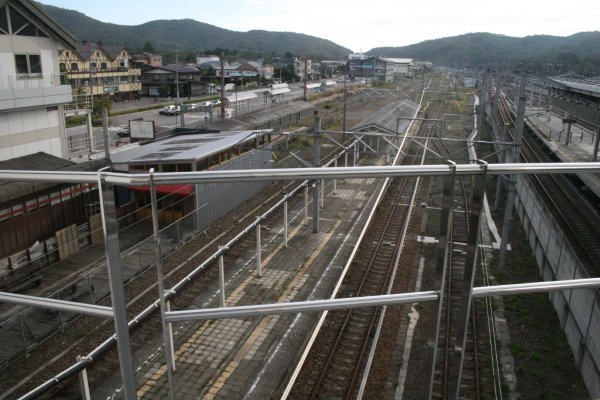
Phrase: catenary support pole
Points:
(105, 133)
(306, 205)
(439, 278)
(512, 182)
(285, 221)
(457, 354)
(504, 156)
(316, 164)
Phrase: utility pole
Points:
(317, 164)
(91, 105)
(222, 85)
(305, 73)
(512, 182)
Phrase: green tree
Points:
(148, 48)
(100, 103)
(163, 91)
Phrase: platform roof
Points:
(587, 86)
(241, 96)
(40, 161)
(183, 149)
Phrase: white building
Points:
(299, 68)
(207, 59)
(32, 91)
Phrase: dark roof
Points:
(55, 30)
(111, 51)
(180, 68)
(39, 162)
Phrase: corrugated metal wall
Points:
(217, 199)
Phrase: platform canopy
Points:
(242, 96)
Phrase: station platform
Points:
(553, 131)
(250, 357)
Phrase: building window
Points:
(103, 65)
(93, 65)
(3, 20)
(28, 64)
(74, 67)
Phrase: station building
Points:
(194, 152)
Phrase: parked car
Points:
(170, 110)
(123, 132)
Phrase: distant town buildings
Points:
(101, 70)
(379, 68)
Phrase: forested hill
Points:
(580, 52)
(191, 35)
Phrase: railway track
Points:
(336, 365)
(579, 219)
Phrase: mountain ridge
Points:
(192, 35)
(478, 49)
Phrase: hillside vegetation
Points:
(541, 53)
(191, 35)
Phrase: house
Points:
(209, 59)
(145, 58)
(302, 68)
(170, 75)
(33, 93)
(101, 70)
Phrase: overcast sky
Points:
(360, 25)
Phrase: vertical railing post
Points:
(83, 382)
(285, 220)
(167, 339)
(258, 248)
(222, 276)
(117, 291)
(335, 180)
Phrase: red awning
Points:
(179, 190)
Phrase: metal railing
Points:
(108, 180)
(31, 81)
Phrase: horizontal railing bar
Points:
(535, 287)
(62, 305)
(252, 175)
(260, 310)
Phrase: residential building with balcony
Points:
(102, 70)
(170, 75)
(32, 90)
(302, 68)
